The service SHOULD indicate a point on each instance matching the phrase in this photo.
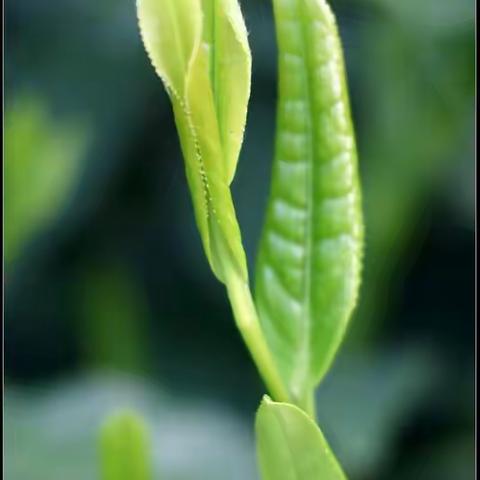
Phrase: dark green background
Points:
(116, 280)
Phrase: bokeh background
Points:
(109, 298)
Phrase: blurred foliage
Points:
(125, 447)
(43, 161)
(190, 440)
(112, 318)
(120, 257)
(198, 440)
(415, 116)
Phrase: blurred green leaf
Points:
(198, 440)
(113, 318)
(125, 447)
(291, 446)
(430, 16)
(42, 164)
(417, 93)
(51, 431)
(308, 270)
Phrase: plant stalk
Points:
(308, 404)
(247, 322)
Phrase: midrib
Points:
(210, 37)
(305, 343)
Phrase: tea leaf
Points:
(124, 448)
(308, 270)
(290, 446)
(200, 51)
(226, 37)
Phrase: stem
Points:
(308, 404)
(247, 322)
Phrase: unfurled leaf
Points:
(199, 48)
(290, 445)
(308, 270)
(125, 448)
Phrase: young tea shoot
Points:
(308, 268)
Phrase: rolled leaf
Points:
(199, 49)
(308, 269)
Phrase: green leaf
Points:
(113, 317)
(125, 448)
(290, 445)
(51, 431)
(43, 160)
(200, 51)
(308, 269)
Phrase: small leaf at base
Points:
(290, 446)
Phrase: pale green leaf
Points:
(210, 106)
(230, 71)
(171, 31)
(308, 270)
(290, 446)
(125, 448)
(200, 50)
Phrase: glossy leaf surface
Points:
(308, 268)
(290, 445)
(200, 51)
(125, 448)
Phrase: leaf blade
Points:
(308, 268)
(171, 31)
(210, 125)
(182, 48)
(290, 446)
(209, 165)
(125, 448)
(231, 79)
